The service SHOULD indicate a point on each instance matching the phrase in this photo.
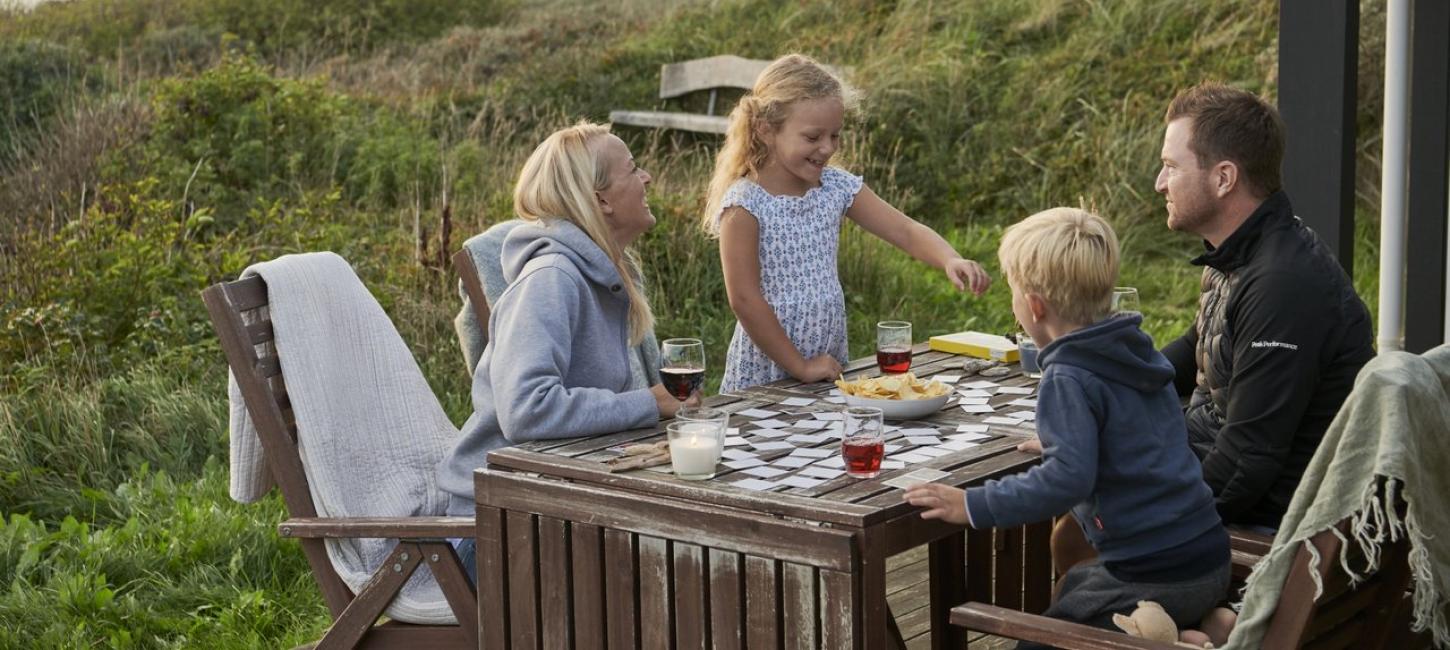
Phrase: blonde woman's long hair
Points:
(787, 80)
(558, 182)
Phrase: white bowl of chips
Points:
(900, 397)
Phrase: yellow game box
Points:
(976, 344)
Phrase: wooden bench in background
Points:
(680, 79)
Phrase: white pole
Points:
(1393, 188)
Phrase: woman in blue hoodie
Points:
(557, 360)
(1114, 444)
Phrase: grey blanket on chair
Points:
(1392, 426)
(370, 431)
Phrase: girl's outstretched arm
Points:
(740, 262)
(881, 219)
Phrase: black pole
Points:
(1318, 57)
(1429, 200)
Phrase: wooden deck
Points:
(908, 594)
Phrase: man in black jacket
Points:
(1280, 333)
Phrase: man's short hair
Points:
(1068, 256)
(1234, 125)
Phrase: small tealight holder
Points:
(695, 447)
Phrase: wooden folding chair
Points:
(239, 313)
(1364, 616)
(468, 275)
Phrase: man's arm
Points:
(1278, 324)
(1181, 352)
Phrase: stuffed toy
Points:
(1149, 621)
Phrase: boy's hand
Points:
(1033, 446)
(941, 502)
(966, 274)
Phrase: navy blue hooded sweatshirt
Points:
(1115, 452)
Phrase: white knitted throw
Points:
(370, 430)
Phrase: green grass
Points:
(167, 144)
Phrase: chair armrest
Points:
(377, 527)
(1013, 624)
(1250, 543)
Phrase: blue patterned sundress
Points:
(799, 236)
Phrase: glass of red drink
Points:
(682, 367)
(893, 346)
(863, 442)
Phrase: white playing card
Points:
(957, 445)
(793, 462)
(800, 481)
(1015, 390)
(978, 408)
(971, 428)
(999, 420)
(833, 461)
(934, 452)
(757, 413)
(736, 454)
(769, 433)
(822, 472)
(813, 452)
(1022, 415)
(771, 423)
(771, 446)
(923, 440)
(797, 401)
(947, 379)
(969, 436)
(755, 484)
(735, 441)
(912, 457)
(809, 439)
(763, 471)
(892, 464)
(982, 384)
(1029, 403)
(743, 463)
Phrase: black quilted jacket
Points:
(1279, 338)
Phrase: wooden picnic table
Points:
(570, 555)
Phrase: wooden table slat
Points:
(654, 593)
(727, 599)
(555, 585)
(621, 589)
(586, 549)
(691, 598)
(799, 616)
(762, 609)
(523, 564)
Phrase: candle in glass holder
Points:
(695, 449)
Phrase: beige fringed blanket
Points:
(1395, 425)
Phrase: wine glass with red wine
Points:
(893, 346)
(682, 366)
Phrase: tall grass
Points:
(220, 135)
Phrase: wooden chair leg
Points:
(893, 632)
(373, 598)
(453, 580)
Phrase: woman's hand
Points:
(821, 368)
(966, 274)
(940, 501)
(1033, 446)
(667, 403)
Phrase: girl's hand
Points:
(667, 403)
(1033, 446)
(941, 502)
(821, 368)
(966, 274)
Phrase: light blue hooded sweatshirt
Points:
(557, 360)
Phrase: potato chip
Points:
(899, 387)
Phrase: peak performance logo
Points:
(1273, 344)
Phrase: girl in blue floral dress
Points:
(777, 207)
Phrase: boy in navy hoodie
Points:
(1114, 445)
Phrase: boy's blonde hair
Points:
(1066, 255)
(559, 181)
(787, 80)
